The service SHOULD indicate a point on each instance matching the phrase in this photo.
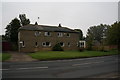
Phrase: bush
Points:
(57, 47)
(89, 48)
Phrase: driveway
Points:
(19, 57)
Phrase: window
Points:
(77, 44)
(82, 44)
(22, 43)
(62, 44)
(37, 33)
(46, 44)
(36, 44)
(68, 44)
(47, 34)
(68, 34)
(43, 44)
(60, 34)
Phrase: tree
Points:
(12, 30)
(96, 35)
(80, 33)
(23, 19)
(113, 35)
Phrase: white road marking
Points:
(27, 68)
(33, 68)
(3, 69)
(98, 62)
(87, 63)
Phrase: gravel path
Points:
(20, 57)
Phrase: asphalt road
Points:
(73, 68)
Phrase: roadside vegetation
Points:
(53, 55)
(4, 56)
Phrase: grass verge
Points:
(53, 55)
(4, 56)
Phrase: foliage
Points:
(80, 33)
(12, 30)
(96, 33)
(51, 55)
(113, 35)
(23, 19)
(57, 47)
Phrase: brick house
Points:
(32, 38)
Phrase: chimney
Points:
(59, 25)
(36, 23)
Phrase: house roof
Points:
(46, 28)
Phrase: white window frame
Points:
(77, 44)
(46, 45)
(63, 44)
(46, 34)
(60, 34)
(36, 45)
(68, 44)
(21, 42)
(67, 35)
(37, 33)
(83, 45)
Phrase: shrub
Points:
(89, 48)
(57, 47)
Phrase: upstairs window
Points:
(37, 33)
(60, 34)
(68, 34)
(46, 44)
(47, 34)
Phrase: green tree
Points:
(80, 33)
(96, 34)
(12, 30)
(23, 19)
(89, 40)
(113, 35)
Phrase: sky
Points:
(74, 15)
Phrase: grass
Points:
(4, 56)
(51, 55)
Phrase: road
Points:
(72, 68)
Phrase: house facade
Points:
(32, 38)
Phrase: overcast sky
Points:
(75, 15)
